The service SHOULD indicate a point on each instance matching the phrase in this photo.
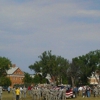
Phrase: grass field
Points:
(8, 96)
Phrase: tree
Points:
(88, 63)
(39, 79)
(74, 72)
(54, 65)
(5, 81)
(5, 64)
(27, 78)
(62, 65)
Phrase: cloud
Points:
(89, 13)
(34, 15)
(28, 28)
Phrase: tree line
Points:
(66, 72)
(61, 70)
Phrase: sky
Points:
(69, 28)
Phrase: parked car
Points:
(4, 88)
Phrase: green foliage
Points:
(5, 81)
(74, 72)
(64, 80)
(88, 63)
(54, 65)
(5, 64)
(61, 69)
(27, 78)
(39, 79)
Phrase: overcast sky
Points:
(70, 28)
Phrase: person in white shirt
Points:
(0, 92)
(80, 90)
(21, 90)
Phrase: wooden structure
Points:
(94, 79)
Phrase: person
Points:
(95, 91)
(24, 92)
(88, 89)
(17, 91)
(38, 93)
(29, 90)
(0, 92)
(60, 94)
(8, 89)
(80, 91)
(84, 91)
(75, 91)
(13, 93)
(63, 93)
(21, 92)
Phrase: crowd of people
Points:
(49, 92)
(17, 92)
(87, 91)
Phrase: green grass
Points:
(9, 96)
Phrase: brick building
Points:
(15, 74)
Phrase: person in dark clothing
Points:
(75, 91)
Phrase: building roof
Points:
(12, 70)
